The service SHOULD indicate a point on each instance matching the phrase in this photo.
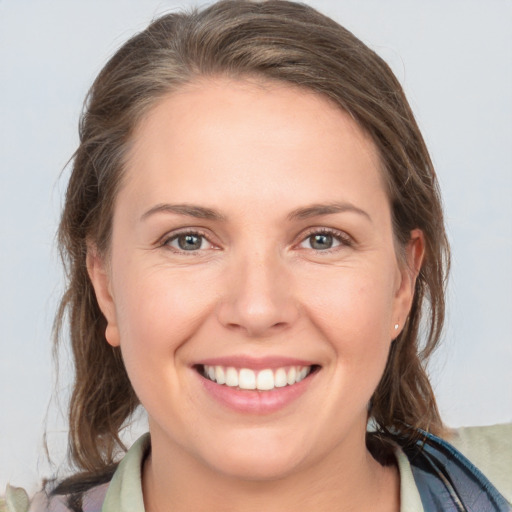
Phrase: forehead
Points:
(256, 133)
(203, 100)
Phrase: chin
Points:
(257, 468)
(257, 460)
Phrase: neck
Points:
(347, 479)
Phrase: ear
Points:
(409, 270)
(99, 275)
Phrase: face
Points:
(252, 282)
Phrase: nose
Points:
(259, 298)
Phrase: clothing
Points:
(448, 481)
(489, 448)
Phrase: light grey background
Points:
(454, 59)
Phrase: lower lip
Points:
(253, 401)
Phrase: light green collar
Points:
(125, 490)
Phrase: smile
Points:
(262, 380)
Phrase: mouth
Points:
(264, 379)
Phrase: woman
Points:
(254, 235)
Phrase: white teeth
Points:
(280, 380)
(302, 374)
(290, 378)
(231, 378)
(246, 379)
(220, 375)
(263, 380)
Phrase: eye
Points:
(188, 242)
(323, 240)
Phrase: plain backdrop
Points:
(454, 59)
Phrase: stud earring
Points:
(396, 327)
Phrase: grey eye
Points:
(189, 242)
(321, 241)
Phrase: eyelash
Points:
(166, 241)
(341, 237)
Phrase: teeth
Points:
(246, 379)
(231, 377)
(280, 378)
(290, 376)
(302, 374)
(220, 375)
(264, 380)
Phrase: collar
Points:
(125, 490)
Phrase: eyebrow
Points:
(189, 210)
(200, 212)
(316, 210)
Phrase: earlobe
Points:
(100, 279)
(410, 268)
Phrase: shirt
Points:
(489, 448)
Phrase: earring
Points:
(396, 327)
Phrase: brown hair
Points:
(275, 40)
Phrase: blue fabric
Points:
(447, 481)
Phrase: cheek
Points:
(158, 312)
(353, 314)
(358, 305)
(160, 309)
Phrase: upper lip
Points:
(254, 363)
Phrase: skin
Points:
(255, 153)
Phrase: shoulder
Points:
(122, 491)
(16, 500)
(490, 450)
(125, 489)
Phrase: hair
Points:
(273, 40)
